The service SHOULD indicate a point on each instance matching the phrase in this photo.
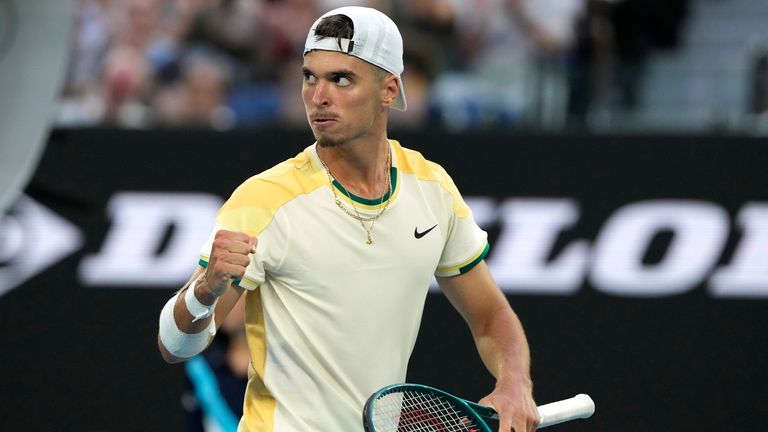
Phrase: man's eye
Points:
(343, 81)
(311, 79)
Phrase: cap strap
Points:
(332, 44)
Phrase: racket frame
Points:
(472, 411)
(579, 406)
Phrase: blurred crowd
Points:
(468, 63)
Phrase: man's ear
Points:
(389, 89)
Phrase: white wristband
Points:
(197, 309)
(178, 343)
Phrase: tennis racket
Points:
(416, 407)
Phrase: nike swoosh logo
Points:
(419, 235)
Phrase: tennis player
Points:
(335, 250)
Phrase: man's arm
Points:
(501, 342)
(184, 318)
(228, 260)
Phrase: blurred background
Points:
(597, 65)
(614, 150)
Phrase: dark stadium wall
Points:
(638, 265)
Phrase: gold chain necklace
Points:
(356, 215)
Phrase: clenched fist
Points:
(228, 260)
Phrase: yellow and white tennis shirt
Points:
(329, 318)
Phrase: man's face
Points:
(342, 96)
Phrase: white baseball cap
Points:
(375, 39)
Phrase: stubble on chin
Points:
(327, 142)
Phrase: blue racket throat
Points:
(483, 411)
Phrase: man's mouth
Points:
(323, 119)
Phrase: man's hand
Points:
(513, 401)
(229, 259)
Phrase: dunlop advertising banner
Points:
(638, 265)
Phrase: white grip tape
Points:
(197, 309)
(579, 406)
(178, 343)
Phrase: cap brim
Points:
(399, 103)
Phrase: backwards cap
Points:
(375, 39)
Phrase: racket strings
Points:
(418, 412)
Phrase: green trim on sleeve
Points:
(476, 261)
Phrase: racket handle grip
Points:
(579, 406)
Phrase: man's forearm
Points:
(186, 324)
(181, 312)
(503, 346)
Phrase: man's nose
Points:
(321, 94)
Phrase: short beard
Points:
(329, 142)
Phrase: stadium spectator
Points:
(511, 54)
(429, 26)
(118, 98)
(199, 97)
(609, 63)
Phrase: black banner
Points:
(638, 265)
